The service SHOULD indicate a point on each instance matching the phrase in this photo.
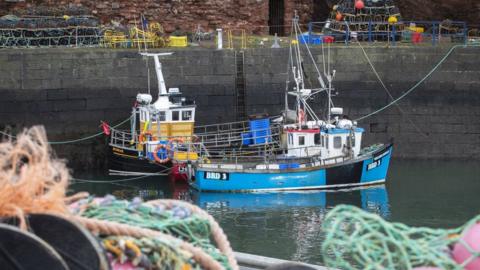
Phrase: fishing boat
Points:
(296, 151)
(152, 145)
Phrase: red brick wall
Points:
(185, 14)
(248, 14)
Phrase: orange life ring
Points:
(157, 158)
(177, 140)
(143, 137)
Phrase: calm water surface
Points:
(437, 194)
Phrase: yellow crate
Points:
(185, 156)
(178, 41)
(416, 29)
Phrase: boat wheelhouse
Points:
(157, 130)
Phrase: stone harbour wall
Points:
(71, 90)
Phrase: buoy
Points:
(339, 16)
(392, 20)
(359, 4)
(470, 237)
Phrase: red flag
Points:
(106, 128)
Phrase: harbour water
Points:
(439, 194)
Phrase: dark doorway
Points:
(321, 10)
(276, 13)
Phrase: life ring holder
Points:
(157, 158)
(143, 137)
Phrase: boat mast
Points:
(162, 89)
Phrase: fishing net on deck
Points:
(356, 239)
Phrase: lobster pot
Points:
(260, 130)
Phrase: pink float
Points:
(471, 237)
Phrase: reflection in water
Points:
(263, 222)
(373, 199)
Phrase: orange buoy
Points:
(339, 16)
(359, 4)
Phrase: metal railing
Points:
(415, 32)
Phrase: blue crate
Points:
(246, 138)
(310, 39)
(260, 130)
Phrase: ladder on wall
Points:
(240, 91)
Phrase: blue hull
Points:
(366, 171)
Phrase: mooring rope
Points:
(388, 91)
(75, 140)
(418, 83)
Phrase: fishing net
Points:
(174, 219)
(162, 234)
(147, 253)
(31, 182)
(356, 239)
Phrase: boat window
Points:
(301, 140)
(186, 115)
(326, 142)
(316, 138)
(162, 116)
(175, 115)
(337, 142)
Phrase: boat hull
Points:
(126, 160)
(368, 170)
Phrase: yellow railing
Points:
(235, 35)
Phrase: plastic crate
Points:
(260, 130)
(246, 138)
(310, 39)
(178, 41)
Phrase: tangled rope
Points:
(356, 239)
(30, 182)
(163, 234)
(182, 220)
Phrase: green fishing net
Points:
(356, 239)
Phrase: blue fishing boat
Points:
(295, 151)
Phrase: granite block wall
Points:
(71, 90)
